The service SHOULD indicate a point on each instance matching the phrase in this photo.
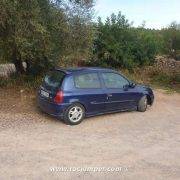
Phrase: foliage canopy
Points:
(45, 33)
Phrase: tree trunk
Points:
(17, 62)
(27, 67)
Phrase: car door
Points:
(119, 96)
(88, 90)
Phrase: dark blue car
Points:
(75, 93)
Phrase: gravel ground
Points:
(145, 145)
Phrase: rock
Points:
(166, 64)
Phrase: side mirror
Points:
(132, 84)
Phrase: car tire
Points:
(74, 114)
(142, 105)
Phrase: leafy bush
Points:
(42, 32)
(171, 37)
(117, 44)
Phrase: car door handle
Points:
(109, 95)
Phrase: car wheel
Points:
(74, 114)
(142, 105)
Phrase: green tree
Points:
(171, 36)
(42, 32)
(117, 44)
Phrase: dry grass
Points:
(149, 75)
(153, 76)
(28, 83)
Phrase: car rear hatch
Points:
(51, 85)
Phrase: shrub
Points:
(117, 44)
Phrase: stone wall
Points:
(162, 63)
(7, 69)
(166, 64)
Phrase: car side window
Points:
(113, 80)
(87, 81)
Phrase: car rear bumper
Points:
(51, 108)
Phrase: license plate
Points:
(44, 93)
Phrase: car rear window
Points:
(88, 80)
(54, 79)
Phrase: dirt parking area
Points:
(145, 145)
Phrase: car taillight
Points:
(59, 97)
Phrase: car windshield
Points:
(54, 79)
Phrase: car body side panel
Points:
(93, 101)
(121, 99)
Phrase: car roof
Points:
(83, 69)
